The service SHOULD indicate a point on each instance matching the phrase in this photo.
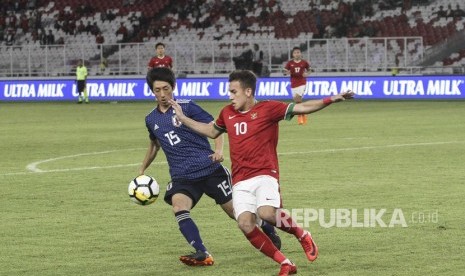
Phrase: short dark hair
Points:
(160, 74)
(159, 44)
(295, 48)
(246, 78)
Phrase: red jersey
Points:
(253, 138)
(165, 61)
(297, 70)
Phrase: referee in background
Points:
(81, 77)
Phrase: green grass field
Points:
(64, 206)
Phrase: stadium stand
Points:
(207, 36)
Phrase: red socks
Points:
(261, 241)
(286, 223)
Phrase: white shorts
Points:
(250, 194)
(300, 90)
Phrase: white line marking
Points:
(373, 147)
(33, 166)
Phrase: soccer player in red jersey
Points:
(253, 129)
(298, 69)
(160, 60)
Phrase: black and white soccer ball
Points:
(143, 190)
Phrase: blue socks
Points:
(267, 228)
(189, 230)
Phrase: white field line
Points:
(372, 147)
(33, 167)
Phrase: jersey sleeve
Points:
(150, 64)
(151, 135)
(195, 112)
(288, 66)
(170, 62)
(307, 66)
(280, 111)
(219, 123)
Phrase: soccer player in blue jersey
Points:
(194, 167)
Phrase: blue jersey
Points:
(186, 151)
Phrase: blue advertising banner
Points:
(385, 87)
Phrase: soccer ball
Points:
(143, 190)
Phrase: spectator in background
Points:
(279, 14)
(50, 38)
(80, 28)
(99, 39)
(60, 41)
(243, 26)
(458, 12)
(110, 15)
(264, 15)
(103, 65)
(122, 30)
(160, 60)
(95, 29)
(257, 60)
(10, 37)
(441, 12)
(88, 27)
(218, 35)
(450, 11)
(42, 37)
(243, 61)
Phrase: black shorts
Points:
(218, 186)
(81, 85)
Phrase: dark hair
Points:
(295, 48)
(159, 44)
(246, 78)
(160, 74)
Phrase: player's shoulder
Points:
(151, 114)
(270, 104)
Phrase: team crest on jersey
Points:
(254, 115)
(175, 121)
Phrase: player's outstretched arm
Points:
(312, 106)
(152, 150)
(219, 143)
(203, 129)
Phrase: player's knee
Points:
(267, 214)
(246, 223)
(180, 202)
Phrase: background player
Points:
(81, 79)
(298, 69)
(160, 60)
(253, 130)
(194, 167)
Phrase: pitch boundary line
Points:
(33, 167)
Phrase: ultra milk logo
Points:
(329, 88)
(112, 89)
(43, 90)
(272, 88)
(195, 88)
(422, 88)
